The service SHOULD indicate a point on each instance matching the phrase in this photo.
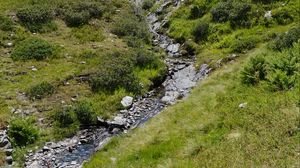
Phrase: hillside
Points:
(246, 113)
(219, 78)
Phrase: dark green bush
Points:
(201, 32)
(32, 48)
(145, 58)
(254, 71)
(131, 25)
(286, 40)
(64, 117)
(221, 11)
(197, 11)
(115, 72)
(148, 4)
(22, 132)
(33, 17)
(6, 24)
(85, 114)
(94, 9)
(41, 90)
(75, 19)
(242, 44)
(283, 17)
(279, 80)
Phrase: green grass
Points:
(208, 129)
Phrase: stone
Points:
(8, 152)
(243, 105)
(10, 44)
(127, 101)
(33, 68)
(46, 149)
(4, 141)
(34, 164)
(9, 160)
(268, 15)
(173, 48)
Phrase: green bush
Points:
(94, 9)
(76, 19)
(279, 80)
(254, 71)
(32, 48)
(131, 25)
(88, 33)
(201, 32)
(115, 72)
(145, 58)
(22, 132)
(148, 4)
(283, 17)
(40, 91)
(198, 10)
(33, 17)
(6, 24)
(64, 117)
(85, 114)
(244, 43)
(286, 40)
(221, 11)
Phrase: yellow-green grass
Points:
(208, 129)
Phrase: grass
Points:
(208, 129)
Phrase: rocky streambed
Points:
(182, 77)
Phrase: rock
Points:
(46, 149)
(243, 105)
(173, 48)
(9, 160)
(8, 152)
(127, 101)
(34, 164)
(73, 163)
(4, 141)
(33, 68)
(268, 15)
(9, 44)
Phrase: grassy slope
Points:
(208, 129)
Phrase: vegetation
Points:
(85, 114)
(23, 131)
(33, 48)
(41, 90)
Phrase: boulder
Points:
(127, 101)
(243, 105)
(9, 160)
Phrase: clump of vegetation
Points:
(131, 25)
(88, 54)
(76, 19)
(6, 24)
(32, 48)
(85, 114)
(64, 117)
(116, 72)
(286, 40)
(34, 17)
(243, 44)
(88, 34)
(148, 4)
(23, 131)
(40, 91)
(197, 11)
(254, 71)
(201, 32)
(283, 17)
(145, 58)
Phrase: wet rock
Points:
(46, 149)
(127, 101)
(4, 142)
(173, 48)
(8, 152)
(9, 160)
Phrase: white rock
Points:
(268, 15)
(243, 105)
(127, 101)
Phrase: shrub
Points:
(148, 4)
(88, 54)
(221, 11)
(75, 19)
(41, 90)
(34, 16)
(254, 71)
(197, 11)
(201, 32)
(145, 58)
(244, 43)
(94, 9)
(22, 132)
(32, 48)
(286, 40)
(64, 117)
(88, 33)
(130, 25)
(6, 24)
(283, 17)
(279, 80)
(116, 72)
(85, 114)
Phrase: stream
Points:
(182, 77)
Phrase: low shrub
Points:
(88, 54)
(131, 25)
(286, 40)
(85, 114)
(6, 24)
(244, 43)
(32, 48)
(64, 117)
(145, 58)
(283, 17)
(115, 72)
(279, 80)
(197, 11)
(148, 4)
(254, 71)
(94, 9)
(23, 131)
(201, 32)
(221, 11)
(76, 19)
(34, 16)
(40, 91)
(88, 33)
